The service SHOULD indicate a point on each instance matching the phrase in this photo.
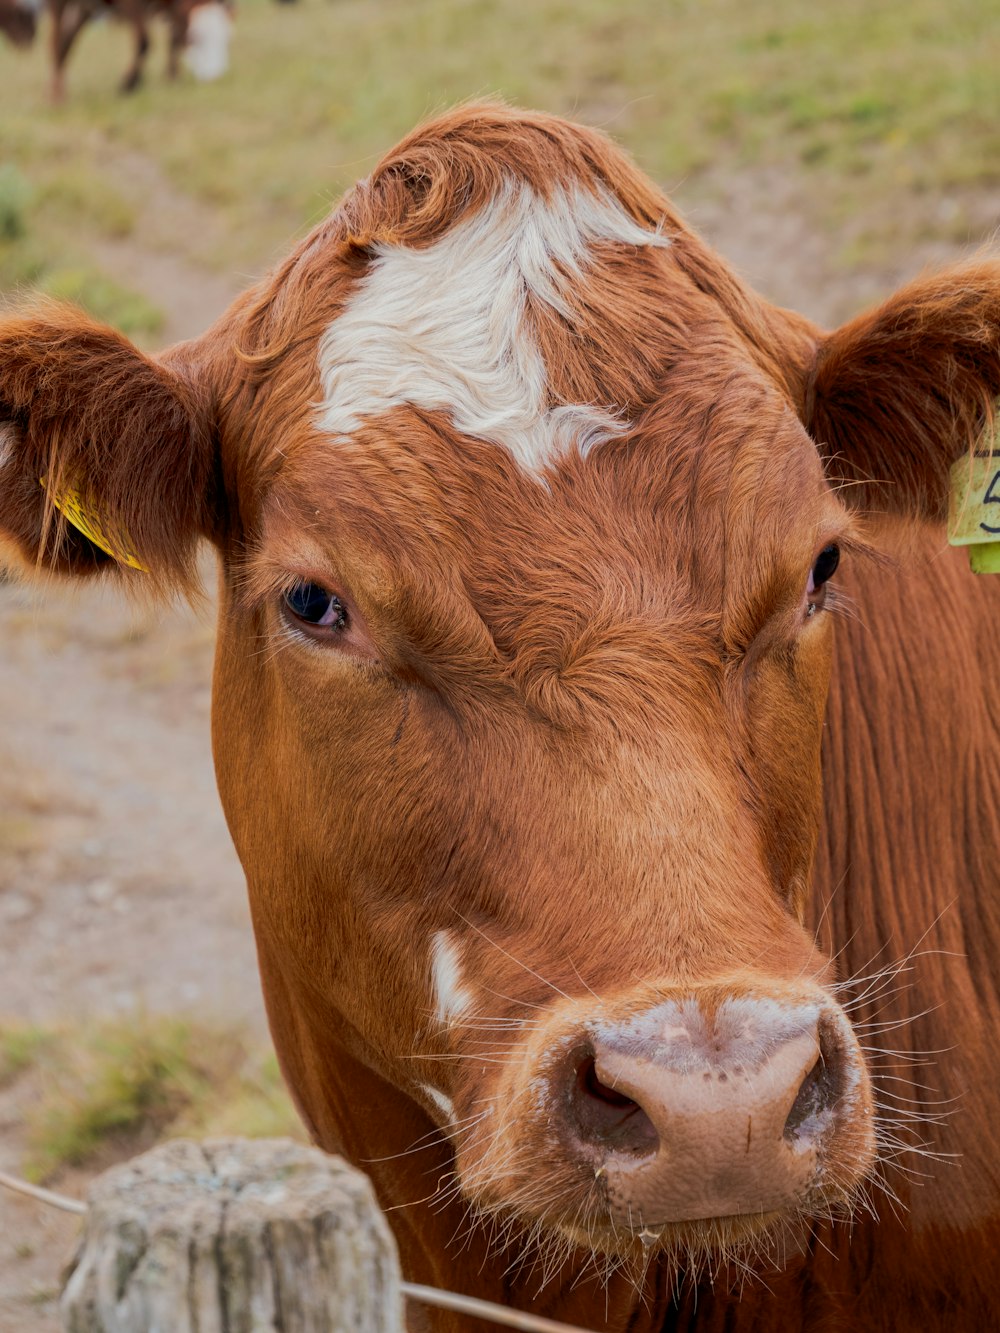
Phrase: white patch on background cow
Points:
(206, 50)
(444, 1104)
(451, 998)
(444, 327)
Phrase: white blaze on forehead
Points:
(444, 327)
(451, 998)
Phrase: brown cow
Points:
(528, 514)
(198, 28)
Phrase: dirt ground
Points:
(120, 889)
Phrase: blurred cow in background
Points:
(198, 28)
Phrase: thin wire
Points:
(498, 1314)
(44, 1196)
(443, 1300)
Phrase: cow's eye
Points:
(822, 571)
(314, 605)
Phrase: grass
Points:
(106, 1092)
(866, 102)
(14, 196)
(88, 287)
(26, 266)
(21, 1047)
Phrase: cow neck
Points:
(908, 860)
(352, 1110)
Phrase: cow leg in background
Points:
(178, 37)
(67, 20)
(133, 13)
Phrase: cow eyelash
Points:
(831, 602)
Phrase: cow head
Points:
(19, 20)
(528, 515)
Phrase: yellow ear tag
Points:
(972, 519)
(72, 506)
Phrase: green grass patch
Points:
(94, 203)
(33, 260)
(861, 98)
(21, 1046)
(14, 196)
(124, 1084)
(256, 1105)
(104, 298)
(21, 265)
(110, 1091)
(25, 268)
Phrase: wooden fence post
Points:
(233, 1236)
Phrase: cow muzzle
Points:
(702, 1119)
(749, 1108)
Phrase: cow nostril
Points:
(816, 1097)
(610, 1118)
(593, 1086)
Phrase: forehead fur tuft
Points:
(573, 361)
(457, 163)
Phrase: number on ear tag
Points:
(974, 510)
(118, 545)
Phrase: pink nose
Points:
(689, 1120)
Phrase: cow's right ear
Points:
(101, 446)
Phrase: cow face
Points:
(525, 627)
(561, 730)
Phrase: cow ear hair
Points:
(898, 394)
(101, 446)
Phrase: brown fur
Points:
(578, 726)
(93, 414)
(936, 345)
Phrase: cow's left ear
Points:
(901, 392)
(107, 456)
